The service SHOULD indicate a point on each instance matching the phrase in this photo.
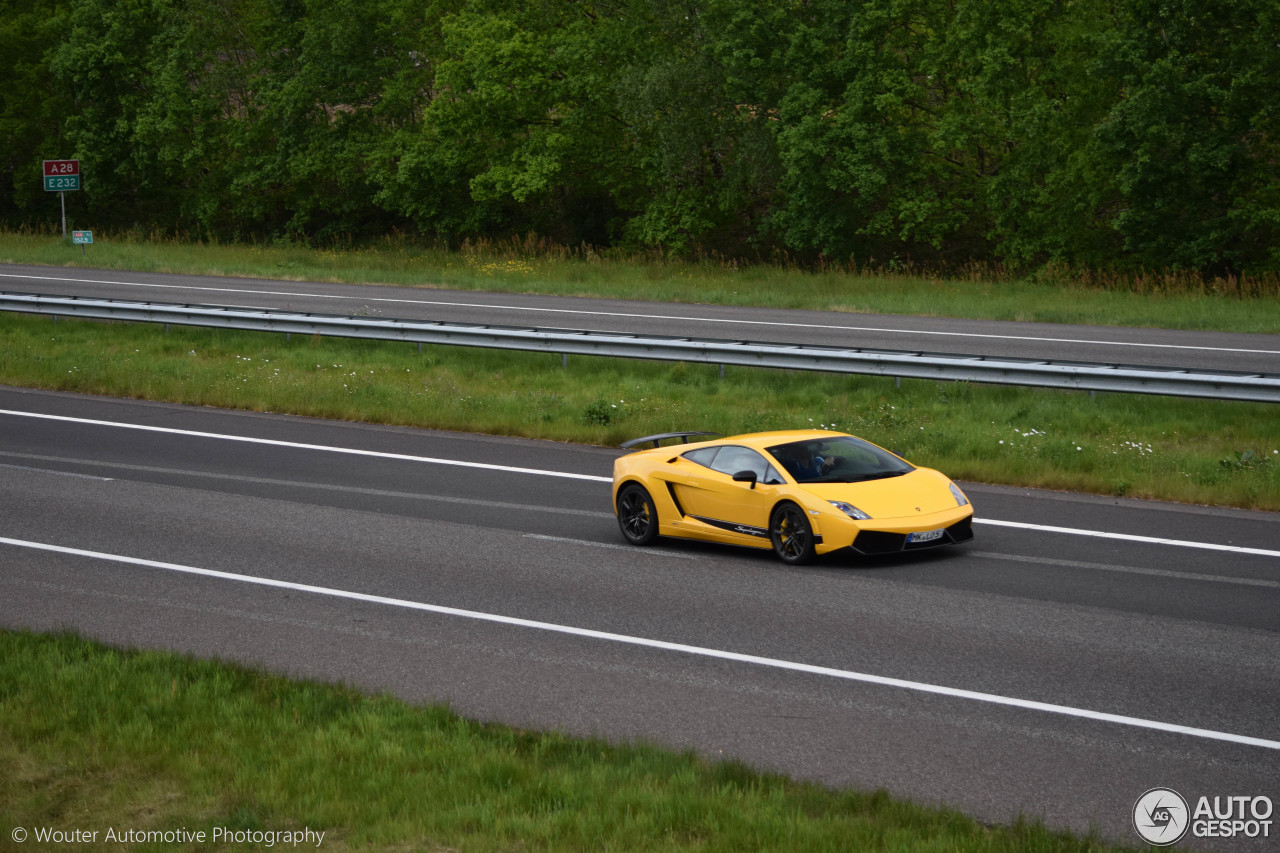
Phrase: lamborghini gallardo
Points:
(802, 493)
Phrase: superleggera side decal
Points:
(734, 526)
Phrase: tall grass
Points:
(1201, 451)
(93, 737)
(1168, 299)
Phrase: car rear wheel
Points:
(637, 516)
(791, 534)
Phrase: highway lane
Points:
(1161, 633)
(1204, 350)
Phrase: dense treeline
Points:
(1144, 133)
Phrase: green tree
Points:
(32, 107)
(1194, 140)
(884, 143)
(517, 133)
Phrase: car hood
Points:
(915, 493)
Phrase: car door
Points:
(713, 497)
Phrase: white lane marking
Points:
(917, 686)
(650, 316)
(300, 446)
(1128, 537)
(51, 471)
(596, 479)
(1132, 570)
(296, 484)
(657, 552)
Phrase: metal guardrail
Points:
(1136, 379)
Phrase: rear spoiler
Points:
(663, 436)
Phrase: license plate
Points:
(926, 536)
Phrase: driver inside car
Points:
(803, 463)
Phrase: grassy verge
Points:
(1169, 300)
(1198, 451)
(94, 738)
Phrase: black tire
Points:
(791, 534)
(637, 516)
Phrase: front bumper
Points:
(889, 535)
(871, 542)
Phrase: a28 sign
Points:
(61, 175)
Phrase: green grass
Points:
(1199, 451)
(1169, 300)
(93, 738)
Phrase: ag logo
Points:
(1161, 816)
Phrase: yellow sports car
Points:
(802, 493)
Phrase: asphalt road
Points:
(1109, 344)
(1003, 652)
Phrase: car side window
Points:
(702, 456)
(732, 459)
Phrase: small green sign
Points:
(81, 237)
(61, 183)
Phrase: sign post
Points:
(59, 177)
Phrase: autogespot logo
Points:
(1161, 817)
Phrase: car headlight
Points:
(961, 500)
(850, 510)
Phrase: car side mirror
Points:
(745, 477)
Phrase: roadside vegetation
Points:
(1174, 300)
(94, 737)
(1199, 451)
(1100, 135)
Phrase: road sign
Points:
(61, 183)
(61, 167)
(61, 175)
(79, 237)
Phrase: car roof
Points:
(769, 439)
(756, 440)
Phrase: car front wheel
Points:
(637, 516)
(791, 534)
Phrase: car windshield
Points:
(838, 459)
